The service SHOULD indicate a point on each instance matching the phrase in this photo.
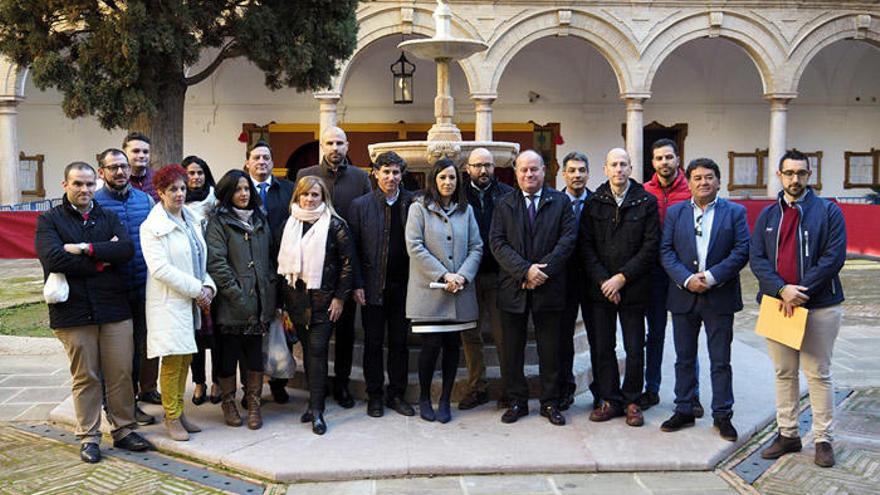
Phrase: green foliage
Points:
(26, 320)
(117, 60)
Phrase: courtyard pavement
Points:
(31, 386)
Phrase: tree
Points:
(129, 63)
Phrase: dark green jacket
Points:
(240, 263)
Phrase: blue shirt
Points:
(703, 219)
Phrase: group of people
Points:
(168, 263)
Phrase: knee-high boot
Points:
(227, 395)
(254, 387)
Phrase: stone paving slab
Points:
(357, 447)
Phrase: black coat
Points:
(278, 203)
(337, 278)
(96, 297)
(483, 214)
(516, 248)
(371, 235)
(623, 239)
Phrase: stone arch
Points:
(843, 27)
(609, 39)
(12, 79)
(761, 45)
(374, 25)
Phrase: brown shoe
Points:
(781, 445)
(604, 412)
(824, 455)
(188, 425)
(634, 415)
(176, 430)
(254, 387)
(227, 395)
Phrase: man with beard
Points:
(798, 249)
(670, 187)
(137, 149)
(483, 190)
(346, 183)
(132, 207)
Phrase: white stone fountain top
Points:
(443, 45)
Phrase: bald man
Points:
(346, 182)
(617, 246)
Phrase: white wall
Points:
(709, 84)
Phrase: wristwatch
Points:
(83, 248)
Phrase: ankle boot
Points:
(227, 396)
(254, 387)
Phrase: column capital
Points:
(327, 95)
(780, 98)
(487, 96)
(639, 96)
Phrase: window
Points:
(747, 170)
(30, 175)
(861, 169)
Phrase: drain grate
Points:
(752, 467)
(157, 461)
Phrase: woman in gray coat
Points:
(444, 246)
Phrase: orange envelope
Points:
(773, 324)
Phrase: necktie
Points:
(533, 212)
(262, 188)
(576, 206)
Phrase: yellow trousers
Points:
(172, 379)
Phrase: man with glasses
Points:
(798, 249)
(132, 207)
(483, 189)
(705, 245)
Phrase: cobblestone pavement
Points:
(30, 386)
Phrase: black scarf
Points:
(197, 194)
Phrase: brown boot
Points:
(227, 395)
(254, 387)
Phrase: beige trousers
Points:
(815, 357)
(97, 351)
(486, 286)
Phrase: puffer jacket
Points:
(240, 263)
(132, 207)
(624, 239)
(677, 192)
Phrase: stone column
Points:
(483, 109)
(777, 144)
(327, 101)
(9, 188)
(634, 130)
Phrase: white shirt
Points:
(536, 195)
(392, 200)
(704, 218)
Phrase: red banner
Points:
(17, 229)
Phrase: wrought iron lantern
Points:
(402, 71)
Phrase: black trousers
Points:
(548, 337)
(577, 300)
(432, 344)
(314, 345)
(605, 372)
(144, 372)
(344, 343)
(391, 315)
(247, 349)
(203, 343)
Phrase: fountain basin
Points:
(421, 155)
(443, 48)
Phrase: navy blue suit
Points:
(728, 252)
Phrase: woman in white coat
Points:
(444, 246)
(178, 286)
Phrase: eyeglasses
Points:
(481, 165)
(698, 226)
(115, 168)
(801, 174)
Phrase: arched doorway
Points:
(302, 157)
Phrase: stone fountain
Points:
(444, 137)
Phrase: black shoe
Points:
(306, 417)
(473, 399)
(343, 397)
(200, 398)
(782, 445)
(824, 455)
(400, 405)
(698, 409)
(725, 428)
(677, 422)
(648, 399)
(90, 452)
(514, 412)
(279, 392)
(142, 418)
(566, 402)
(133, 442)
(551, 412)
(214, 397)
(375, 408)
(319, 427)
(152, 397)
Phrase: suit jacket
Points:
(727, 255)
(278, 202)
(516, 248)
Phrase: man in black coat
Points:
(532, 236)
(346, 182)
(377, 221)
(483, 190)
(618, 246)
(275, 194)
(89, 246)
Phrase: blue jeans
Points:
(719, 335)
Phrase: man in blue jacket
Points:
(132, 207)
(798, 249)
(705, 245)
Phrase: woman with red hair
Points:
(178, 286)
